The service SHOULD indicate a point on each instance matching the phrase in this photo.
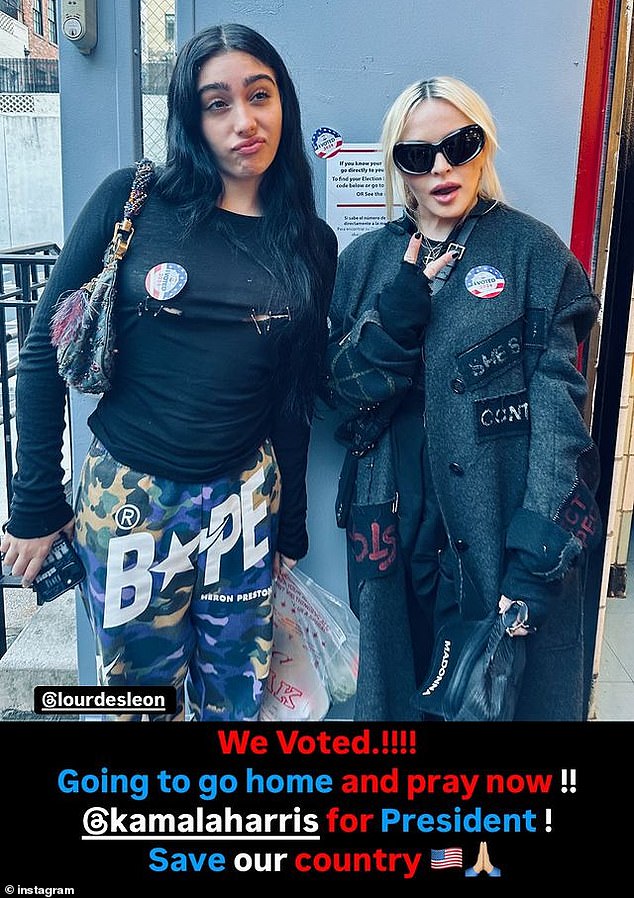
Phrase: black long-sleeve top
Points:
(197, 389)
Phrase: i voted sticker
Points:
(484, 281)
(326, 142)
(165, 281)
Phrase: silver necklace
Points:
(432, 252)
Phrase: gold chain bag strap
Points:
(82, 326)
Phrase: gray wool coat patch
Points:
(512, 462)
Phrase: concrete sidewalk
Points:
(41, 640)
(42, 651)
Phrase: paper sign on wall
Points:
(355, 191)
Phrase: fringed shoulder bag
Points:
(82, 326)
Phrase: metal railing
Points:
(33, 76)
(28, 76)
(24, 271)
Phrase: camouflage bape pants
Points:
(179, 582)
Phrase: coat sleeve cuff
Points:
(539, 594)
(545, 549)
(368, 366)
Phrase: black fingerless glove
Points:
(405, 306)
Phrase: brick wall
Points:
(39, 47)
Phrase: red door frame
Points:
(593, 121)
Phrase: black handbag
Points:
(82, 326)
(475, 674)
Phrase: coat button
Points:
(458, 385)
(460, 545)
(456, 469)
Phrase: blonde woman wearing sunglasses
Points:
(470, 480)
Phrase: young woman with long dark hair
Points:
(193, 489)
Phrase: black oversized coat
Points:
(512, 462)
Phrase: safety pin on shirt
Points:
(144, 306)
(268, 317)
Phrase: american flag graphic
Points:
(326, 142)
(490, 291)
(446, 857)
(485, 281)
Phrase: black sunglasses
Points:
(415, 157)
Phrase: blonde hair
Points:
(465, 99)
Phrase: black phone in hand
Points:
(62, 569)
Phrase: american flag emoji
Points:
(446, 857)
